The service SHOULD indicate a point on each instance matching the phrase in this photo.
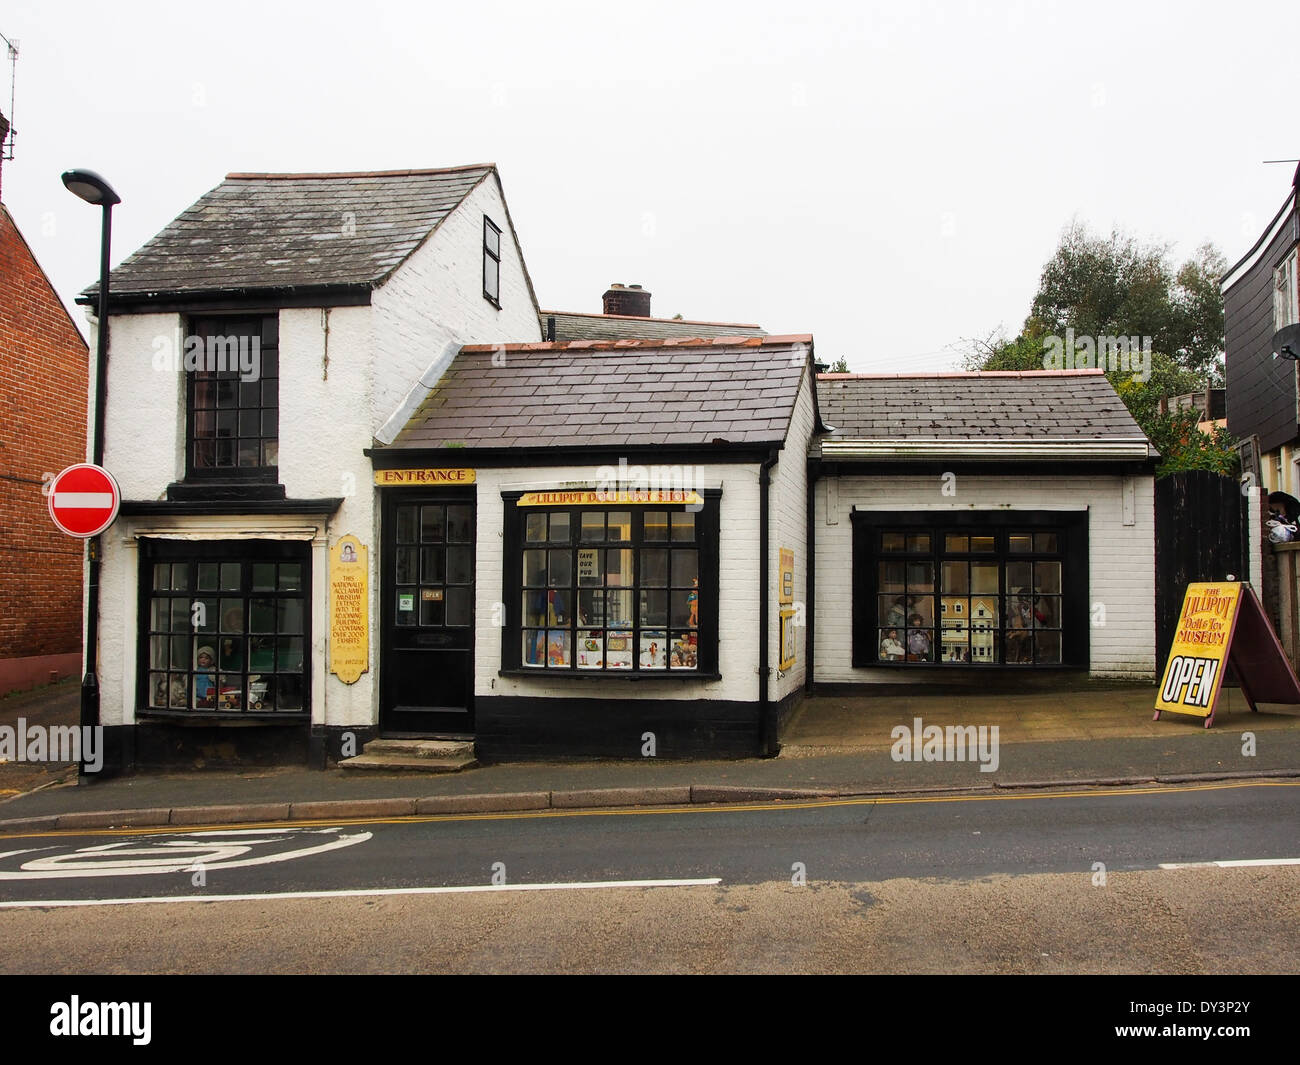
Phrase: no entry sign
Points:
(84, 500)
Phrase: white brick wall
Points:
(789, 520)
(329, 412)
(436, 297)
(738, 588)
(1121, 559)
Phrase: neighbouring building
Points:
(626, 316)
(1261, 324)
(43, 381)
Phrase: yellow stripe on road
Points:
(693, 808)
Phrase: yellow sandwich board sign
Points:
(1222, 624)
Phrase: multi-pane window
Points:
(233, 388)
(491, 262)
(225, 633)
(994, 597)
(1286, 294)
(613, 590)
(435, 565)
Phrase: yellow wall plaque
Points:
(422, 478)
(785, 594)
(789, 642)
(349, 609)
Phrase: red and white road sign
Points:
(84, 500)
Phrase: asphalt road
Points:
(959, 838)
(1005, 885)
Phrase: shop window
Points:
(225, 628)
(1009, 596)
(491, 262)
(612, 589)
(233, 399)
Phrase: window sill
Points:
(208, 717)
(602, 674)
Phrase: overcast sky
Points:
(889, 177)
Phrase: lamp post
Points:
(96, 191)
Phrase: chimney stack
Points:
(627, 300)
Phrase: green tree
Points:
(1118, 286)
(840, 365)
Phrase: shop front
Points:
(994, 523)
(612, 593)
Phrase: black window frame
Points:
(247, 554)
(268, 331)
(1070, 526)
(493, 257)
(707, 542)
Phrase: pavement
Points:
(1081, 733)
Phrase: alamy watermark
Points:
(56, 743)
(1113, 354)
(953, 743)
(213, 354)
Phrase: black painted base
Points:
(517, 728)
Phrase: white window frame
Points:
(1286, 295)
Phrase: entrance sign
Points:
(1222, 624)
(349, 609)
(422, 478)
(583, 497)
(84, 499)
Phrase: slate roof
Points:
(738, 390)
(1041, 406)
(575, 326)
(289, 231)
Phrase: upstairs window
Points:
(491, 263)
(1286, 297)
(233, 398)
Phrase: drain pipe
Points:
(767, 725)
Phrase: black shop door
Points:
(428, 604)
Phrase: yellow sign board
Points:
(581, 497)
(785, 593)
(349, 609)
(789, 645)
(1199, 652)
(422, 478)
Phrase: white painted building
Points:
(1023, 501)
(363, 498)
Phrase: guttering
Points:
(1248, 261)
(988, 450)
(768, 736)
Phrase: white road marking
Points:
(1238, 863)
(87, 500)
(712, 881)
(169, 856)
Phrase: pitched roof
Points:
(736, 390)
(287, 231)
(996, 409)
(571, 325)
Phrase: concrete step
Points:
(421, 748)
(388, 763)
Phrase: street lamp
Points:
(96, 191)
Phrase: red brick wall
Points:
(43, 379)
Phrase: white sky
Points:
(888, 177)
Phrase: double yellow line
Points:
(653, 811)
